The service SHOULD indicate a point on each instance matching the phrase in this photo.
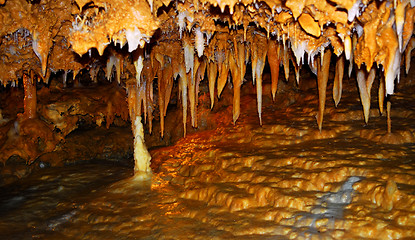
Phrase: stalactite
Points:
(168, 90)
(199, 42)
(164, 74)
(30, 97)
(41, 48)
(236, 81)
(149, 74)
(191, 86)
(118, 68)
(46, 77)
(259, 54)
(338, 80)
(145, 92)
(297, 68)
(76, 82)
(286, 62)
(212, 73)
(189, 53)
(238, 69)
(351, 61)
(392, 60)
(132, 101)
(274, 63)
(241, 60)
(65, 78)
(111, 62)
(138, 58)
(223, 67)
(161, 94)
(200, 75)
(408, 55)
(322, 78)
(365, 86)
(254, 59)
(149, 104)
(399, 20)
(408, 27)
(183, 89)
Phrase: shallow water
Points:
(284, 180)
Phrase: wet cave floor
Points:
(282, 180)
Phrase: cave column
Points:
(30, 99)
(141, 155)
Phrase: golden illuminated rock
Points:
(165, 44)
(309, 25)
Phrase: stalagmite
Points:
(388, 112)
(142, 157)
(322, 78)
(212, 73)
(365, 85)
(381, 94)
(30, 98)
(338, 80)
(274, 63)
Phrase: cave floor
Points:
(282, 180)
